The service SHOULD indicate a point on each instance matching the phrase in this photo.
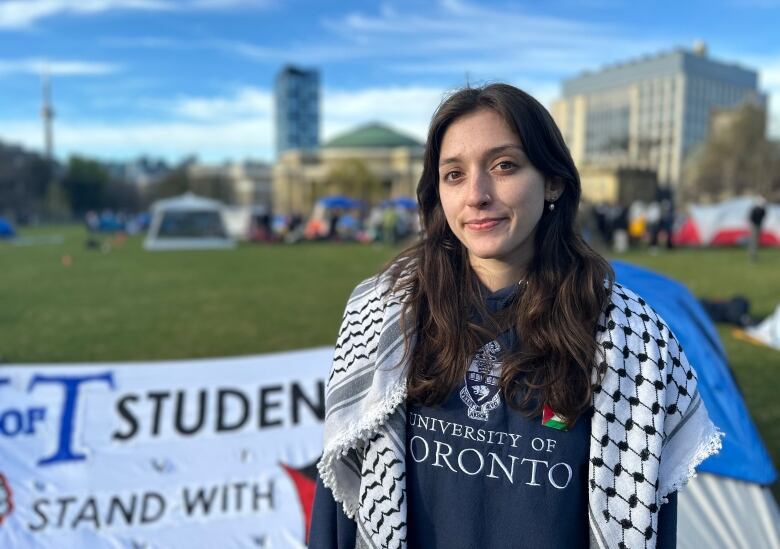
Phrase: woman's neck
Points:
(498, 274)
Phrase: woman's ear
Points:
(553, 189)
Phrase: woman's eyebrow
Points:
(504, 148)
(490, 152)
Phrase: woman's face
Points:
(492, 196)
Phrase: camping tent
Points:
(242, 221)
(400, 202)
(726, 224)
(6, 229)
(329, 208)
(768, 330)
(728, 504)
(187, 222)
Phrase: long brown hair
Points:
(554, 315)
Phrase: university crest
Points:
(481, 392)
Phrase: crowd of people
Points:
(616, 227)
(389, 222)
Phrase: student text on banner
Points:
(201, 453)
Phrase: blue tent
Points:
(399, 202)
(743, 455)
(6, 229)
(405, 202)
(339, 202)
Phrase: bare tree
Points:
(737, 158)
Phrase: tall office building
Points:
(649, 112)
(297, 103)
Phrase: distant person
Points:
(493, 386)
(402, 223)
(389, 225)
(603, 223)
(619, 224)
(653, 218)
(587, 223)
(296, 220)
(757, 214)
(333, 223)
(667, 221)
(374, 223)
(92, 221)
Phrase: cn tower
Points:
(47, 112)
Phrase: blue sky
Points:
(176, 77)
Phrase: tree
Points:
(353, 178)
(122, 196)
(174, 183)
(736, 158)
(24, 181)
(55, 203)
(85, 184)
(215, 186)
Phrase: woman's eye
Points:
(506, 165)
(452, 175)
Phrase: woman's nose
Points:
(479, 189)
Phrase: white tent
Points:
(768, 331)
(241, 220)
(187, 222)
(719, 512)
(729, 504)
(727, 224)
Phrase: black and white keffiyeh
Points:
(649, 430)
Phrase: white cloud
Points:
(452, 39)
(246, 101)
(236, 125)
(172, 139)
(15, 14)
(23, 13)
(225, 4)
(497, 41)
(56, 67)
(405, 108)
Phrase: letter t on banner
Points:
(71, 386)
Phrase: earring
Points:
(551, 207)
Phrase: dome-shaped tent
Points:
(729, 503)
(727, 224)
(187, 222)
(6, 229)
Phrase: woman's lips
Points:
(483, 224)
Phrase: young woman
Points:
(494, 387)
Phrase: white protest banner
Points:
(200, 453)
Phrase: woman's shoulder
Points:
(373, 289)
(385, 286)
(634, 339)
(632, 333)
(627, 309)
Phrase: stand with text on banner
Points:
(201, 453)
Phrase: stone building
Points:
(385, 162)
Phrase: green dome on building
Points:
(373, 135)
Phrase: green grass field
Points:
(128, 304)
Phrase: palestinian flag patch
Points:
(551, 419)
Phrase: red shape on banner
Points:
(305, 486)
(6, 499)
